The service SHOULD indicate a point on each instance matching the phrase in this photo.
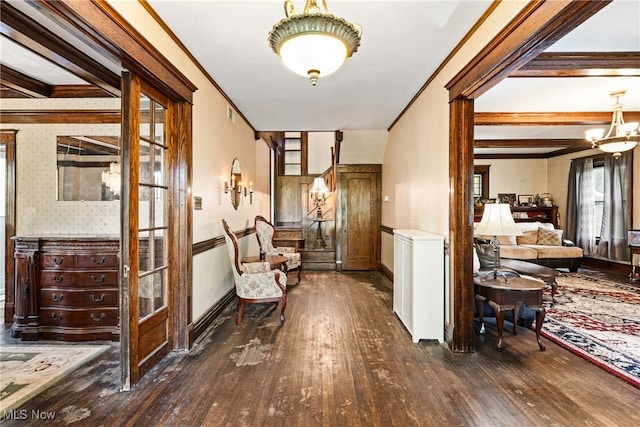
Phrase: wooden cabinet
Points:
(66, 289)
(418, 283)
(527, 214)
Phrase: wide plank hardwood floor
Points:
(343, 359)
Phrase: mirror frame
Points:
(236, 183)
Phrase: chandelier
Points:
(314, 43)
(111, 178)
(621, 136)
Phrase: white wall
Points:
(319, 145)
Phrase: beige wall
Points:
(364, 146)
(519, 176)
(415, 168)
(37, 210)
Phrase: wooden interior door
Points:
(147, 332)
(359, 216)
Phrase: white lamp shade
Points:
(313, 51)
(319, 186)
(497, 221)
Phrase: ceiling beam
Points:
(581, 64)
(550, 119)
(24, 31)
(546, 155)
(531, 143)
(22, 83)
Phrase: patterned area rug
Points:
(599, 320)
(27, 370)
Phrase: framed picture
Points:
(509, 198)
(525, 199)
(634, 238)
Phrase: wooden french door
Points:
(359, 216)
(146, 328)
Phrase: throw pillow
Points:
(549, 237)
(485, 255)
(528, 238)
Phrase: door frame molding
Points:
(8, 138)
(97, 25)
(536, 27)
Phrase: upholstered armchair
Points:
(255, 281)
(265, 232)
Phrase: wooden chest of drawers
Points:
(66, 289)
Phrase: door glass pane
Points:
(159, 167)
(144, 259)
(145, 162)
(145, 296)
(160, 212)
(144, 208)
(152, 211)
(145, 117)
(159, 290)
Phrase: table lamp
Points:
(497, 221)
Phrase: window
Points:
(481, 181)
(598, 189)
(293, 156)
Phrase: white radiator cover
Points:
(418, 283)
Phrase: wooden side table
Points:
(546, 274)
(503, 295)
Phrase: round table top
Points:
(513, 283)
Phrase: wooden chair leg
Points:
(299, 272)
(240, 312)
(284, 305)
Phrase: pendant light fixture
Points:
(313, 43)
(620, 137)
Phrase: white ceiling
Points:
(403, 43)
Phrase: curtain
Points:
(581, 205)
(616, 214)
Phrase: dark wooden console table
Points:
(503, 295)
(66, 288)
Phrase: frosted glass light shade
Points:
(617, 147)
(309, 53)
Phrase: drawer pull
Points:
(93, 297)
(97, 318)
(57, 279)
(100, 262)
(56, 316)
(57, 298)
(96, 279)
(57, 261)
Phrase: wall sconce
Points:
(250, 192)
(319, 191)
(236, 184)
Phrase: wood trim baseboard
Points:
(197, 328)
(385, 272)
(214, 242)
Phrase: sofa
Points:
(539, 243)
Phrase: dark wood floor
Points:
(344, 359)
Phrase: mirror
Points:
(236, 183)
(88, 168)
